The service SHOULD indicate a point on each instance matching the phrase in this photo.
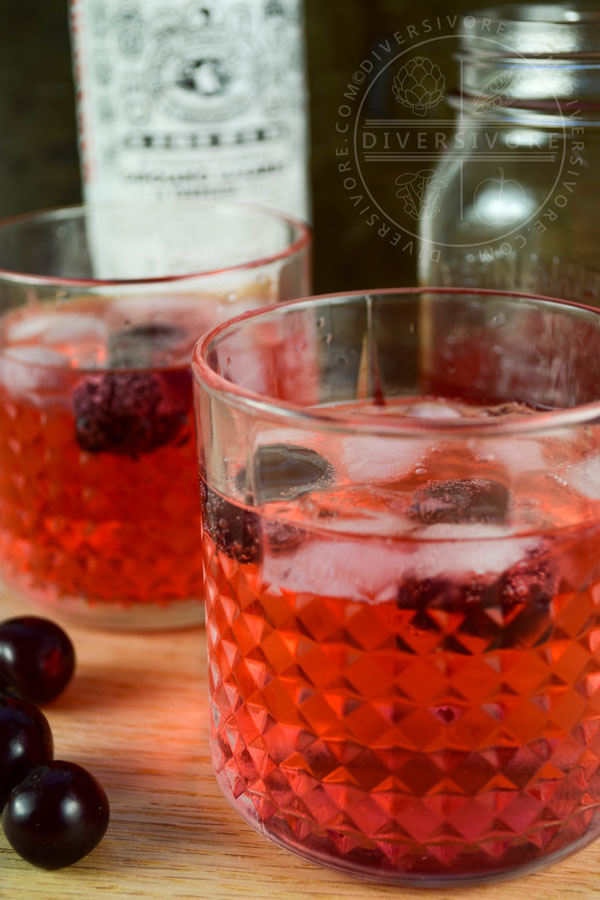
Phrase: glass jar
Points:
(518, 179)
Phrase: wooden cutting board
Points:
(136, 716)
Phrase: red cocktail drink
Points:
(97, 485)
(99, 512)
(403, 597)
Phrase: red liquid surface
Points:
(405, 705)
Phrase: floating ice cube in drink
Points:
(33, 371)
(79, 337)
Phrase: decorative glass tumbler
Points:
(401, 533)
(100, 309)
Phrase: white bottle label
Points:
(192, 98)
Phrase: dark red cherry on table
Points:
(56, 815)
(37, 659)
(25, 742)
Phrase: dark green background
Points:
(38, 152)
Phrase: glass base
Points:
(177, 614)
(143, 617)
(414, 872)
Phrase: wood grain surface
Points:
(136, 716)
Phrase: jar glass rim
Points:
(577, 13)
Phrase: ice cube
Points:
(286, 463)
(337, 568)
(374, 571)
(584, 477)
(366, 460)
(32, 370)
(432, 410)
(518, 455)
(284, 471)
(73, 329)
(461, 500)
(359, 459)
(56, 328)
(35, 355)
(28, 327)
(470, 547)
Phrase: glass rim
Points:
(287, 413)
(302, 239)
(582, 13)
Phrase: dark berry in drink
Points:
(235, 531)
(507, 610)
(281, 537)
(527, 591)
(284, 471)
(56, 815)
(280, 472)
(458, 501)
(131, 413)
(37, 659)
(25, 742)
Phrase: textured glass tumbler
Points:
(100, 309)
(401, 533)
